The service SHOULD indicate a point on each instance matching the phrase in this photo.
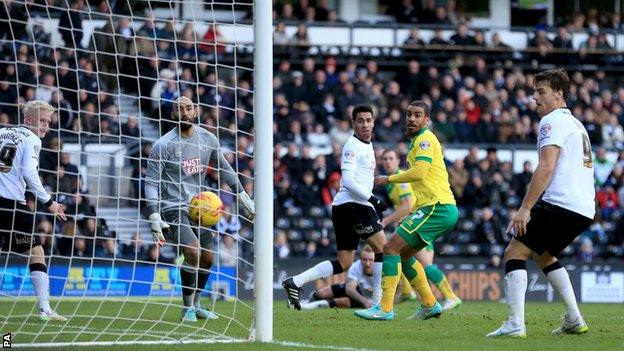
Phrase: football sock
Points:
(415, 272)
(377, 268)
(316, 304)
(41, 283)
(560, 280)
(515, 289)
(437, 277)
(187, 278)
(391, 275)
(202, 278)
(406, 288)
(322, 270)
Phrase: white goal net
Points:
(111, 69)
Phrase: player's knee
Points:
(37, 255)
(191, 255)
(345, 262)
(206, 261)
(516, 252)
(544, 260)
(389, 249)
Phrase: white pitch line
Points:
(323, 347)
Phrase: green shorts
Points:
(423, 226)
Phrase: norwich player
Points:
(403, 200)
(435, 214)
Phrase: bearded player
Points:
(176, 172)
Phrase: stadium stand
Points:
(478, 81)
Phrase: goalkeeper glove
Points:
(158, 225)
(379, 206)
(248, 204)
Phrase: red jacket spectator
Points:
(212, 40)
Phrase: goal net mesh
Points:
(112, 69)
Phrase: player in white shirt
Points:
(19, 162)
(356, 292)
(543, 227)
(356, 212)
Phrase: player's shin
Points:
(377, 268)
(560, 280)
(391, 275)
(415, 273)
(188, 280)
(515, 289)
(437, 277)
(41, 283)
(324, 269)
(202, 277)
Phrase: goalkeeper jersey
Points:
(435, 186)
(177, 166)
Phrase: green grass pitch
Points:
(330, 329)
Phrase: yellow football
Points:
(205, 209)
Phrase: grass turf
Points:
(338, 329)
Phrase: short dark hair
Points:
(389, 150)
(362, 109)
(423, 105)
(557, 80)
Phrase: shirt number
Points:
(7, 154)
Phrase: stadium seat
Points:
(282, 223)
(305, 223)
(294, 235)
(294, 211)
(316, 212)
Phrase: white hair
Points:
(32, 108)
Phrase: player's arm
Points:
(551, 138)
(348, 179)
(542, 175)
(402, 210)
(352, 292)
(30, 171)
(415, 174)
(152, 178)
(229, 176)
(348, 167)
(423, 157)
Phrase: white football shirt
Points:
(19, 164)
(358, 172)
(572, 183)
(365, 282)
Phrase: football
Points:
(205, 209)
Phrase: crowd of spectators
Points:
(473, 102)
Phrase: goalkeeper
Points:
(176, 171)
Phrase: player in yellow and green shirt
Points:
(433, 215)
(403, 200)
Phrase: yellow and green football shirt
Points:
(400, 191)
(435, 187)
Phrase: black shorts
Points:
(340, 290)
(552, 228)
(16, 227)
(352, 223)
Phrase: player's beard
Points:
(185, 126)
